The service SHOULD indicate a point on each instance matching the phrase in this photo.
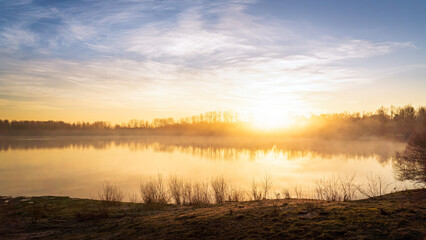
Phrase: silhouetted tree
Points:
(411, 164)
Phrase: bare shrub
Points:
(277, 195)
(176, 188)
(187, 192)
(375, 186)
(200, 194)
(110, 193)
(298, 191)
(236, 195)
(266, 185)
(348, 187)
(286, 193)
(219, 187)
(256, 194)
(328, 189)
(153, 190)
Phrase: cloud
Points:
(13, 38)
(360, 49)
(205, 56)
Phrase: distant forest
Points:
(394, 122)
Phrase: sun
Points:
(268, 117)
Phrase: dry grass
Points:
(396, 216)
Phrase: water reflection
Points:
(78, 167)
(217, 148)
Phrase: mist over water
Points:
(78, 166)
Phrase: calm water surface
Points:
(78, 166)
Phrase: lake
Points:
(78, 166)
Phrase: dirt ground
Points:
(400, 215)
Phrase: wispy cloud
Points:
(198, 56)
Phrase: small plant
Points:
(236, 195)
(298, 192)
(255, 192)
(187, 192)
(267, 185)
(176, 188)
(153, 190)
(200, 194)
(348, 187)
(375, 186)
(219, 187)
(110, 193)
(286, 193)
(328, 189)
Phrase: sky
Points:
(127, 59)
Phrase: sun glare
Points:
(267, 117)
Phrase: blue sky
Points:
(116, 60)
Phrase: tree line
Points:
(209, 118)
(394, 121)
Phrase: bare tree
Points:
(411, 164)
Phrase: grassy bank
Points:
(400, 215)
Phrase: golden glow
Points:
(49, 171)
(267, 116)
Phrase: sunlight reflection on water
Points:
(77, 167)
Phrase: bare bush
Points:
(277, 195)
(187, 192)
(236, 195)
(219, 187)
(375, 186)
(256, 194)
(348, 187)
(286, 193)
(298, 191)
(153, 190)
(176, 188)
(110, 193)
(200, 194)
(266, 185)
(328, 189)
